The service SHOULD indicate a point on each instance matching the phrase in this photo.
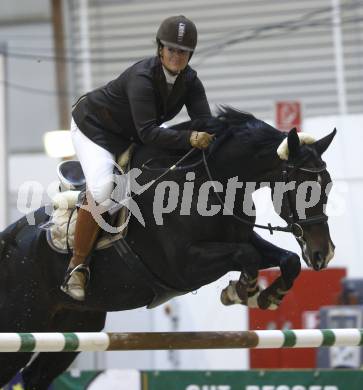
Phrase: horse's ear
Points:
(293, 143)
(322, 144)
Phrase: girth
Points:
(162, 291)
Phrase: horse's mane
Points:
(235, 116)
(257, 135)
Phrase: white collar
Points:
(170, 79)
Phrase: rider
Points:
(130, 109)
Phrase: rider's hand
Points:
(200, 139)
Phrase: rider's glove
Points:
(200, 139)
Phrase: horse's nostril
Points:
(317, 256)
(318, 260)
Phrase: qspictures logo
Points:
(170, 196)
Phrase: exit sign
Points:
(288, 115)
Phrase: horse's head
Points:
(305, 188)
(300, 195)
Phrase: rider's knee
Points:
(101, 192)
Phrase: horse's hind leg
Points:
(10, 364)
(41, 372)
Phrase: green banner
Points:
(214, 380)
(68, 381)
(253, 380)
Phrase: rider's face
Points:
(174, 60)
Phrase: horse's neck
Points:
(249, 169)
(273, 173)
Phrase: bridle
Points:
(294, 224)
(293, 217)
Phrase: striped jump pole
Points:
(101, 341)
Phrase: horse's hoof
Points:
(252, 302)
(273, 306)
(225, 298)
(267, 302)
(230, 296)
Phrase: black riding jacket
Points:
(132, 107)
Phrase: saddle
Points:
(60, 227)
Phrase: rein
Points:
(174, 167)
(290, 228)
(165, 171)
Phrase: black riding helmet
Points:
(178, 32)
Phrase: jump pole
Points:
(101, 341)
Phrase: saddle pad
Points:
(62, 216)
(65, 213)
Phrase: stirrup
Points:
(79, 268)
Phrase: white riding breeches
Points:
(97, 164)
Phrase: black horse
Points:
(181, 254)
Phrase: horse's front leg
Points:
(213, 260)
(290, 267)
(272, 296)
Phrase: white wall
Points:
(13, 11)
(3, 148)
(261, 66)
(31, 86)
(345, 162)
(24, 168)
